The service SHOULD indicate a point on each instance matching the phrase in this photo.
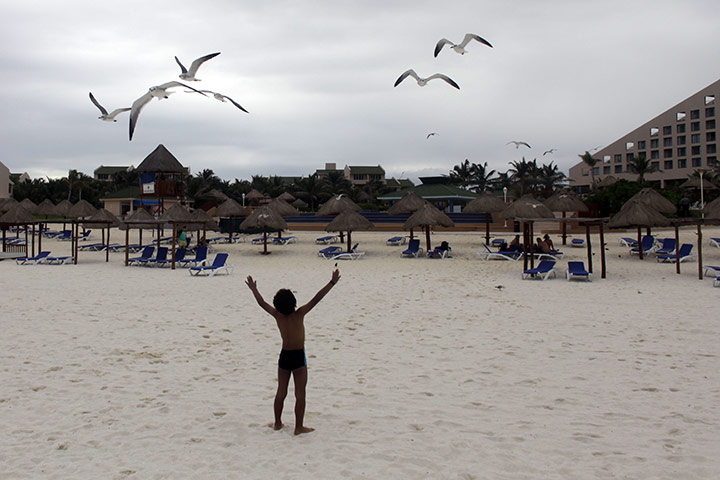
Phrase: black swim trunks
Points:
(292, 359)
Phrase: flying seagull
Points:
(460, 47)
(107, 117)
(517, 144)
(423, 81)
(551, 151)
(430, 135)
(222, 98)
(159, 92)
(189, 75)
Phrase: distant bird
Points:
(517, 144)
(551, 151)
(460, 47)
(430, 135)
(159, 92)
(423, 81)
(499, 287)
(222, 98)
(189, 75)
(596, 148)
(107, 117)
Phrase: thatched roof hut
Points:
(46, 208)
(349, 222)
(101, 219)
(231, 209)
(17, 215)
(654, 200)
(288, 197)
(485, 203)
(336, 205)
(264, 217)
(283, 207)
(81, 209)
(565, 202)
(409, 203)
(428, 216)
(29, 205)
(63, 208)
(161, 160)
(526, 206)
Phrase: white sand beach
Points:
(418, 368)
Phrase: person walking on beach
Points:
(291, 323)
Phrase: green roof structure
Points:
(432, 188)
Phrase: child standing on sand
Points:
(291, 323)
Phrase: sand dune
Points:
(418, 368)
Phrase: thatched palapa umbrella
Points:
(485, 203)
(694, 182)
(410, 203)
(565, 202)
(348, 222)
(336, 205)
(103, 219)
(527, 208)
(299, 203)
(607, 181)
(264, 217)
(231, 209)
(428, 216)
(654, 200)
(636, 213)
(46, 208)
(283, 208)
(712, 209)
(288, 197)
(29, 205)
(17, 216)
(141, 220)
(177, 215)
(254, 196)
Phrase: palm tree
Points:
(310, 189)
(550, 177)
(523, 173)
(590, 161)
(641, 165)
(462, 174)
(336, 183)
(481, 177)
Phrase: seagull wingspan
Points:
(135, 110)
(235, 103)
(444, 77)
(472, 36)
(172, 84)
(102, 109)
(441, 44)
(182, 67)
(199, 61)
(408, 73)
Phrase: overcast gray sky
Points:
(317, 78)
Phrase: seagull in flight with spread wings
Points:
(107, 117)
(551, 151)
(220, 97)
(423, 81)
(189, 75)
(517, 144)
(159, 92)
(430, 135)
(460, 47)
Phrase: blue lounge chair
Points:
(716, 282)
(59, 260)
(667, 247)
(577, 242)
(326, 239)
(199, 260)
(710, 270)
(577, 269)
(542, 271)
(328, 252)
(144, 256)
(497, 242)
(627, 242)
(39, 258)
(684, 253)
(414, 249)
(284, 240)
(160, 256)
(648, 245)
(512, 255)
(353, 254)
(179, 256)
(395, 241)
(218, 265)
(715, 242)
(438, 253)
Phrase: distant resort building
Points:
(357, 175)
(677, 142)
(106, 173)
(436, 190)
(6, 185)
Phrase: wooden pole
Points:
(127, 245)
(589, 248)
(677, 246)
(602, 252)
(700, 262)
(564, 230)
(427, 237)
(174, 235)
(640, 252)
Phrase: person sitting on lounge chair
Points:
(443, 246)
(542, 246)
(549, 242)
(515, 245)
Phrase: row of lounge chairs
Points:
(44, 258)
(337, 253)
(514, 255)
(547, 267)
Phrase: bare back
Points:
(292, 329)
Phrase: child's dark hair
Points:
(284, 301)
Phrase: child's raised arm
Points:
(252, 285)
(320, 294)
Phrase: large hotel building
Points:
(678, 142)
